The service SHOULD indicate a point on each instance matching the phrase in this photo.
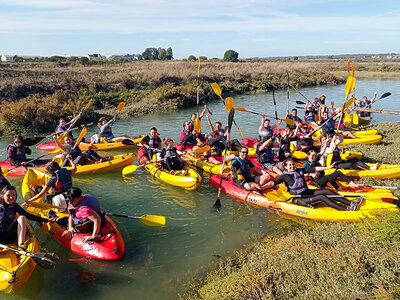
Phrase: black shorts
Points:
(241, 183)
(10, 235)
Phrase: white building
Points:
(96, 57)
(7, 58)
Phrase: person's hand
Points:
(69, 157)
(24, 163)
(88, 238)
(83, 126)
(115, 118)
(375, 93)
(70, 233)
(52, 220)
(23, 204)
(54, 135)
(208, 115)
(313, 175)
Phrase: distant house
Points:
(7, 58)
(96, 56)
(31, 57)
(125, 56)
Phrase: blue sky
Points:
(251, 27)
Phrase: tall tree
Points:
(150, 54)
(169, 55)
(162, 54)
(231, 56)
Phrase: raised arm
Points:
(209, 123)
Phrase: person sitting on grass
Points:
(242, 169)
(13, 227)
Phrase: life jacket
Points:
(154, 141)
(244, 172)
(74, 152)
(170, 152)
(265, 156)
(300, 185)
(191, 141)
(61, 129)
(64, 181)
(267, 132)
(19, 152)
(309, 116)
(7, 216)
(89, 201)
(106, 132)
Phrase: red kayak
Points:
(15, 171)
(109, 243)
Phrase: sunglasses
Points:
(244, 152)
(18, 142)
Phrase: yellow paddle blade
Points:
(58, 160)
(5, 172)
(229, 104)
(216, 88)
(62, 136)
(80, 137)
(201, 150)
(289, 121)
(348, 103)
(152, 220)
(129, 169)
(348, 67)
(347, 118)
(356, 119)
(198, 69)
(241, 109)
(121, 106)
(353, 70)
(90, 103)
(197, 124)
(350, 84)
(43, 205)
(55, 151)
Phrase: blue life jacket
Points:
(64, 181)
(106, 131)
(7, 216)
(265, 156)
(300, 185)
(89, 201)
(309, 116)
(61, 129)
(19, 152)
(244, 172)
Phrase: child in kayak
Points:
(170, 156)
(296, 184)
(11, 226)
(16, 154)
(105, 134)
(150, 144)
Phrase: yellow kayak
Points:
(345, 155)
(385, 171)
(203, 164)
(117, 162)
(16, 269)
(190, 180)
(362, 139)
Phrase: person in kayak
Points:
(63, 126)
(194, 115)
(367, 104)
(296, 184)
(265, 130)
(151, 144)
(316, 173)
(11, 226)
(218, 126)
(85, 215)
(294, 117)
(59, 183)
(16, 154)
(309, 114)
(265, 155)
(170, 156)
(217, 144)
(189, 136)
(105, 134)
(242, 168)
(80, 158)
(335, 151)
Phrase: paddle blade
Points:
(32, 141)
(347, 118)
(241, 109)
(201, 150)
(350, 84)
(217, 205)
(197, 124)
(230, 119)
(80, 137)
(229, 103)
(385, 95)
(353, 70)
(216, 88)
(129, 169)
(121, 106)
(152, 220)
(128, 142)
(62, 136)
(43, 205)
(348, 103)
(289, 121)
(348, 67)
(89, 103)
(5, 172)
(300, 102)
(45, 260)
(356, 119)
(198, 69)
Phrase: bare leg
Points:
(21, 230)
(349, 135)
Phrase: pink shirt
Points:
(83, 212)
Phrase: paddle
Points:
(356, 119)
(149, 220)
(121, 105)
(217, 205)
(288, 91)
(387, 94)
(300, 102)
(217, 90)
(132, 168)
(197, 124)
(43, 259)
(287, 120)
(229, 103)
(77, 142)
(275, 108)
(296, 90)
(6, 171)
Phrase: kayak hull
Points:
(22, 265)
(279, 201)
(109, 245)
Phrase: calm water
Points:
(159, 261)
